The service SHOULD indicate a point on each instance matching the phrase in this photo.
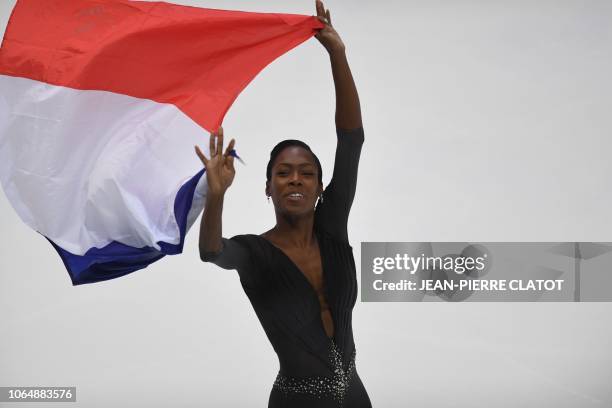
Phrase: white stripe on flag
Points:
(85, 168)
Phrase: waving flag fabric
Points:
(101, 103)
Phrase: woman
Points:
(300, 275)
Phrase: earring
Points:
(268, 199)
(321, 198)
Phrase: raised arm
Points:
(348, 111)
(332, 213)
(225, 253)
(219, 175)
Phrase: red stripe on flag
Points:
(197, 59)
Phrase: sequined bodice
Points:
(335, 386)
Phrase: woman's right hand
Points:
(220, 166)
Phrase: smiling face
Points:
(294, 184)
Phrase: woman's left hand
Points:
(328, 36)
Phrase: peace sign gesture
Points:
(220, 167)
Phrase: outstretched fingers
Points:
(229, 148)
(322, 14)
(216, 150)
(228, 156)
(211, 144)
(320, 8)
(219, 150)
(201, 156)
(220, 142)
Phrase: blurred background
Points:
(484, 121)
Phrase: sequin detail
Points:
(321, 387)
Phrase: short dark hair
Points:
(290, 143)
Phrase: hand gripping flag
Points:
(101, 103)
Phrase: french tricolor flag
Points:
(101, 103)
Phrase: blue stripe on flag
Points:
(117, 259)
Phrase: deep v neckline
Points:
(297, 268)
(312, 289)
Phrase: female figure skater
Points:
(300, 275)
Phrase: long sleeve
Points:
(237, 253)
(233, 255)
(332, 214)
